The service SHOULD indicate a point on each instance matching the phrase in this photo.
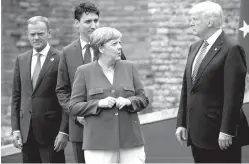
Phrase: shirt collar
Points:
(42, 52)
(214, 37)
(83, 43)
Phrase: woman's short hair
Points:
(209, 10)
(102, 35)
(34, 20)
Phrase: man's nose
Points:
(119, 46)
(93, 25)
(191, 23)
(36, 36)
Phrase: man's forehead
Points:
(195, 15)
(86, 16)
(36, 29)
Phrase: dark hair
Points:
(86, 7)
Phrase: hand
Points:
(121, 102)
(60, 142)
(107, 102)
(17, 139)
(224, 141)
(81, 120)
(181, 135)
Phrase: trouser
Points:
(230, 155)
(34, 152)
(78, 152)
(129, 156)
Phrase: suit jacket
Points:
(71, 59)
(212, 104)
(39, 105)
(108, 128)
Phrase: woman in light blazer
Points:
(109, 93)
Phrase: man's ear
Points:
(101, 49)
(49, 33)
(210, 23)
(76, 23)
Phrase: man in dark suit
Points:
(77, 53)
(39, 124)
(212, 90)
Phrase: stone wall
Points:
(156, 36)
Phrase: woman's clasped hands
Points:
(109, 102)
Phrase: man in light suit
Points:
(39, 124)
(77, 53)
(212, 90)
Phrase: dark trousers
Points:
(78, 152)
(230, 155)
(33, 152)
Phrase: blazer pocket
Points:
(126, 88)
(95, 91)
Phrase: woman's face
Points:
(112, 49)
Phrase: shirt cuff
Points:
(16, 131)
(226, 134)
(64, 133)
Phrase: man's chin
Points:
(38, 48)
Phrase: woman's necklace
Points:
(107, 70)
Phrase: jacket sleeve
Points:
(79, 106)
(234, 87)
(140, 100)
(63, 87)
(64, 127)
(16, 98)
(181, 115)
(182, 110)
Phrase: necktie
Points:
(87, 55)
(199, 60)
(36, 70)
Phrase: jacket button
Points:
(113, 91)
(116, 113)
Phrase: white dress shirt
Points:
(83, 43)
(210, 41)
(43, 53)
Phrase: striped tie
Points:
(199, 60)
(36, 70)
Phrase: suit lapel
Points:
(46, 65)
(191, 58)
(215, 48)
(78, 54)
(27, 67)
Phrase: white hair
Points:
(209, 10)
